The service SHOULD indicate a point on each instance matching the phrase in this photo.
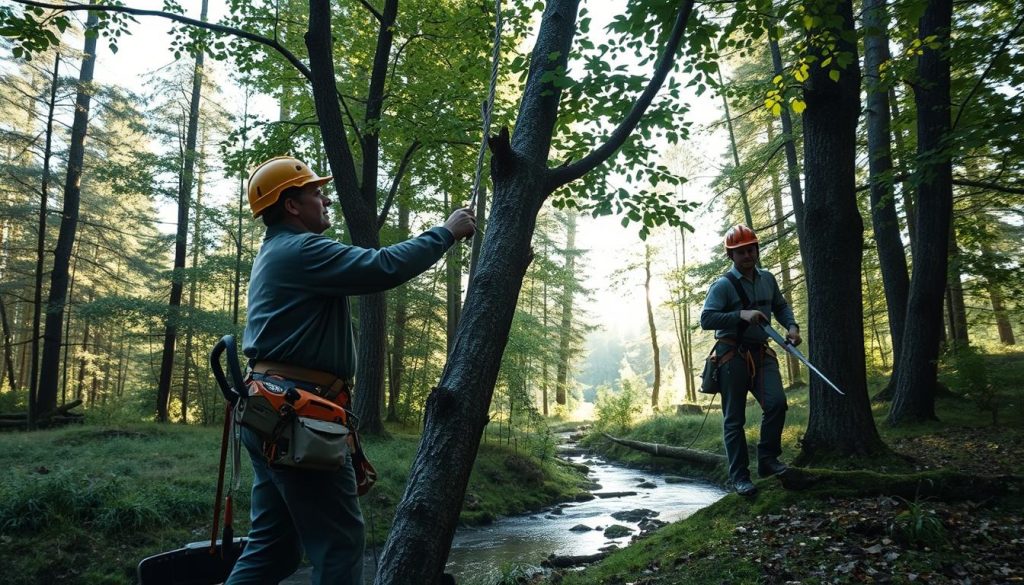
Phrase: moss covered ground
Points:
(851, 527)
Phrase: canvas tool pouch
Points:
(710, 384)
(308, 443)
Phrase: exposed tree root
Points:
(942, 485)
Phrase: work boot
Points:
(745, 488)
(770, 467)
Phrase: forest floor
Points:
(83, 505)
(857, 533)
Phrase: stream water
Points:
(479, 553)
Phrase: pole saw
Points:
(790, 348)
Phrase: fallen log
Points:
(566, 561)
(62, 410)
(691, 455)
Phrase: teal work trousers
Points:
(766, 386)
(300, 510)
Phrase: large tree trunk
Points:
(884, 220)
(837, 424)
(914, 399)
(656, 389)
(44, 193)
(565, 328)
(163, 392)
(46, 400)
(457, 409)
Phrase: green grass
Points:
(84, 505)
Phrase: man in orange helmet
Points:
(744, 296)
(299, 327)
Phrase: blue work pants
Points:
(766, 386)
(295, 510)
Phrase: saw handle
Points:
(231, 392)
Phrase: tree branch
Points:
(218, 28)
(988, 186)
(399, 174)
(567, 174)
(373, 11)
(967, 100)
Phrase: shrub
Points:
(616, 411)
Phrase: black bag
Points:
(709, 383)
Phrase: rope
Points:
(697, 435)
(488, 105)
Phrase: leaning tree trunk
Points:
(457, 409)
(884, 220)
(837, 424)
(914, 399)
(995, 294)
(163, 392)
(741, 182)
(44, 193)
(46, 400)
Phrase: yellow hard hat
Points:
(272, 177)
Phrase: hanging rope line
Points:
(488, 105)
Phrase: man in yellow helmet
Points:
(736, 303)
(299, 327)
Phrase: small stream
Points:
(479, 553)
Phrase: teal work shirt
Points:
(298, 293)
(722, 306)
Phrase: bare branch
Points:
(218, 28)
(396, 181)
(563, 175)
(376, 14)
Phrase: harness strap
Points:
(324, 384)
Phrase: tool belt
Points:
(320, 383)
(710, 383)
(302, 417)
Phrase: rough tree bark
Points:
(44, 194)
(457, 408)
(46, 400)
(914, 399)
(884, 220)
(836, 424)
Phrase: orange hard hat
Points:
(738, 236)
(273, 176)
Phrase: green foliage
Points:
(617, 411)
(917, 525)
(970, 375)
